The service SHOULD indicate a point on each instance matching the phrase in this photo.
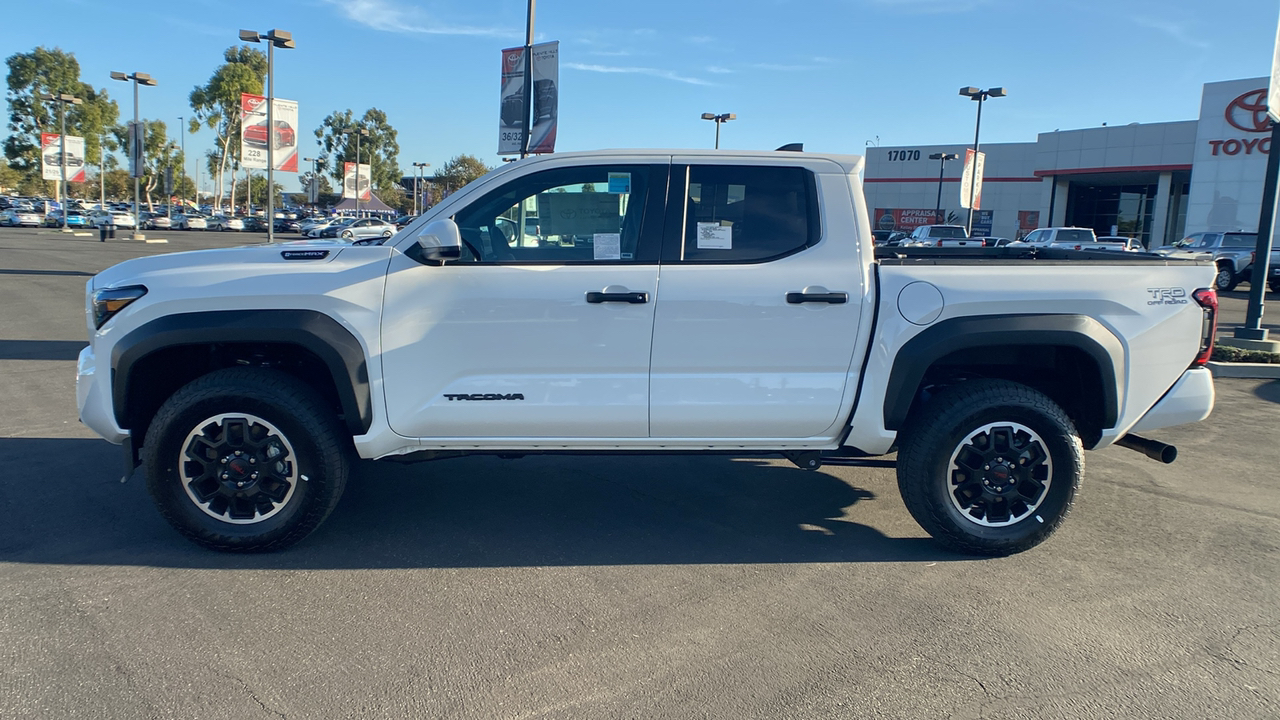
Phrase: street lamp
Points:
(275, 39)
(168, 191)
(63, 99)
(417, 193)
(942, 166)
(719, 120)
(359, 133)
(182, 135)
(137, 140)
(313, 193)
(978, 96)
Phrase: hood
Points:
(220, 262)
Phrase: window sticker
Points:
(714, 236)
(619, 182)
(607, 246)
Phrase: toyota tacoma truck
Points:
(670, 302)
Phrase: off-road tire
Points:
(1226, 279)
(318, 448)
(937, 432)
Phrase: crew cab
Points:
(671, 302)
(1232, 253)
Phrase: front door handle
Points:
(634, 298)
(831, 298)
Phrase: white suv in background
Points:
(942, 236)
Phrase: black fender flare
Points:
(1076, 331)
(314, 331)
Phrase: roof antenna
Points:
(791, 147)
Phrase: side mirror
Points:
(440, 242)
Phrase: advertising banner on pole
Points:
(546, 83)
(137, 141)
(254, 135)
(967, 183)
(350, 184)
(51, 158)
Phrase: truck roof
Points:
(850, 163)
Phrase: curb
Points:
(1258, 371)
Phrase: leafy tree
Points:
(117, 184)
(216, 105)
(255, 189)
(459, 171)
(396, 198)
(380, 150)
(50, 71)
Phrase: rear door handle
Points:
(634, 298)
(831, 298)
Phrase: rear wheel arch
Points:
(153, 361)
(1072, 359)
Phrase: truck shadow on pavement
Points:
(1268, 391)
(41, 349)
(62, 502)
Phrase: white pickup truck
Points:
(671, 301)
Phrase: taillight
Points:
(939, 243)
(1208, 301)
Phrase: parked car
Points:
(15, 218)
(98, 218)
(316, 230)
(1061, 237)
(75, 218)
(1232, 253)
(942, 236)
(190, 221)
(251, 387)
(254, 224)
(257, 134)
(403, 220)
(367, 228)
(156, 221)
(284, 225)
(332, 230)
(224, 223)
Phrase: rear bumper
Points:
(1189, 400)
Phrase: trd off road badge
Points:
(1167, 296)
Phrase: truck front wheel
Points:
(1226, 279)
(245, 459)
(990, 467)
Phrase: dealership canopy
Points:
(374, 205)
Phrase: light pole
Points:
(275, 39)
(359, 132)
(978, 96)
(182, 136)
(102, 173)
(136, 138)
(942, 166)
(62, 99)
(719, 120)
(525, 122)
(417, 182)
(313, 193)
(168, 191)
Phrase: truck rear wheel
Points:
(245, 459)
(990, 467)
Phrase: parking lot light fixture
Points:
(719, 120)
(137, 78)
(63, 99)
(314, 194)
(979, 96)
(417, 192)
(274, 39)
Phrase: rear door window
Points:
(741, 214)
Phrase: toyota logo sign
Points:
(1249, 112)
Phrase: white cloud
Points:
(719, 70)
(389, 16)
(1176, 30)
(654, 72)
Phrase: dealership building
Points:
(1153, 181)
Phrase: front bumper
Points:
(93, 397)
(1189, 400)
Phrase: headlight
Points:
(109, 301)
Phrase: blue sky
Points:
(833, 74)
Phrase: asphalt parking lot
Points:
(616, 588)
